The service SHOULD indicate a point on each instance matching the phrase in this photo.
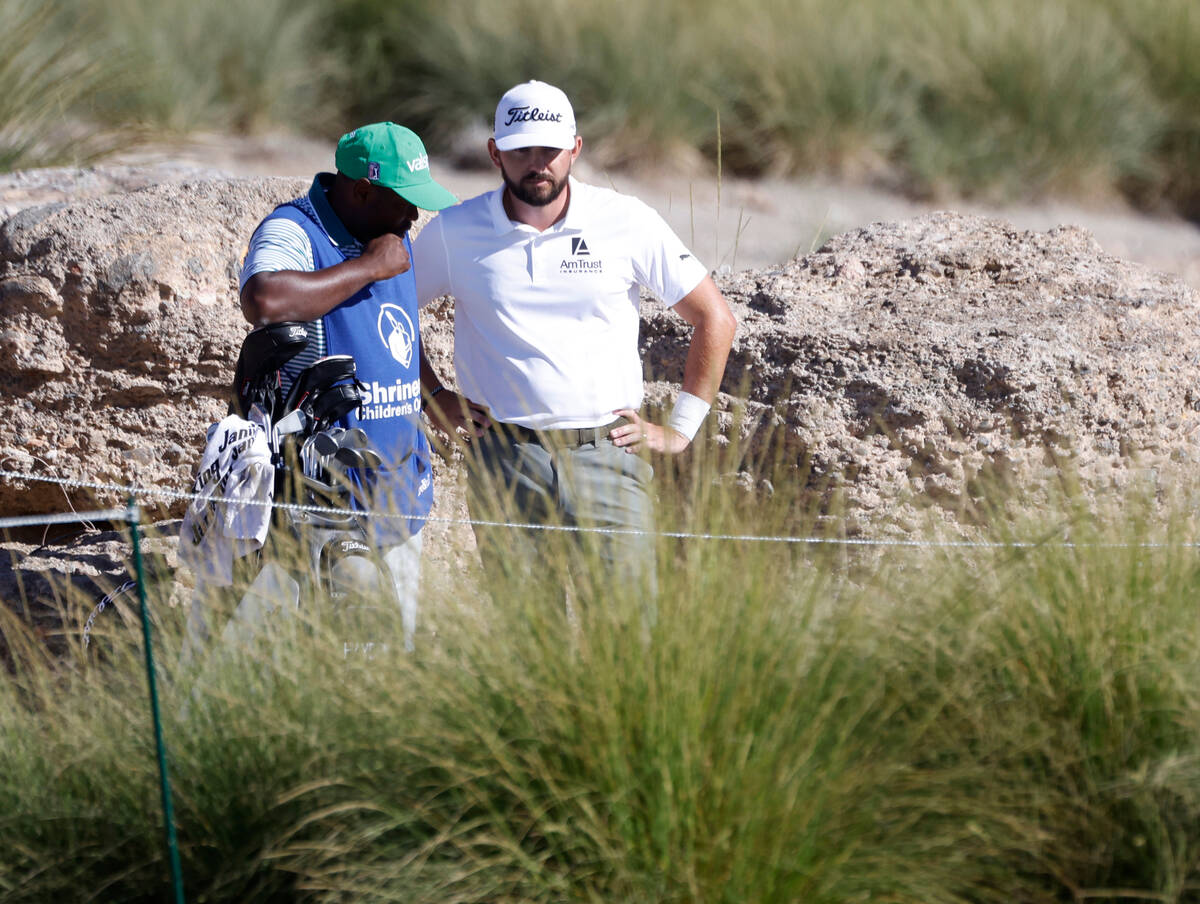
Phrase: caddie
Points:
(339, 258)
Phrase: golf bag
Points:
(318, 553)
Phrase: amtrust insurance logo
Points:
(581, 260)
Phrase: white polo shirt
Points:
(546, 323)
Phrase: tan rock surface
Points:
(902, 362)
(118, 319)
(907, 362)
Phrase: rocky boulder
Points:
(901, 366)
(916, 364)
(119, 328)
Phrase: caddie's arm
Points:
(706, 309)
(295, 295)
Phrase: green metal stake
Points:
(133, 517)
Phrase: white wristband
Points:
(688, 414)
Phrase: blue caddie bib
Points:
(379, 327)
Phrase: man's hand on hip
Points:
(640, 435)
(457, 416)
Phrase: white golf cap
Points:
(534, 114)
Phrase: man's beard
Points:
(535, 194)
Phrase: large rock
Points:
(916, 364)
(119, 328)
(903, 364)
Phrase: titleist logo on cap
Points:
(530, 114)
(534, 114)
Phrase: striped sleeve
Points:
(277, 244)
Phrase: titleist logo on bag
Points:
(530, 114)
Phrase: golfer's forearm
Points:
(705, 362)
(296, 295)
(706, 309)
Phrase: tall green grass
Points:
(963, 96)
(1167, 37)
(444, 68)
(813, 85)
(48, 78)
(933, 725)
(1012, 100)
(1023, 97)
(190, 66)
(80, 79)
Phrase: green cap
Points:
(392, 156)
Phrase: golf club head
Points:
(350, 458)
(371, 459)
(256, 376)
(326, 442)
(293, 422)
(355, 438)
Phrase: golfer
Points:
(545, 273)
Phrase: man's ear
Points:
(494, 152)
(363, 189)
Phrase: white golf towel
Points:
(235, 483)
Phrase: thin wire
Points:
(62, 518)
(567, 528)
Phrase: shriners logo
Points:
(397, 333)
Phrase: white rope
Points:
(64, 518)
(130, 490)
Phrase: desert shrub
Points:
(795, 722)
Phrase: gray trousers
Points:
(591, 485)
